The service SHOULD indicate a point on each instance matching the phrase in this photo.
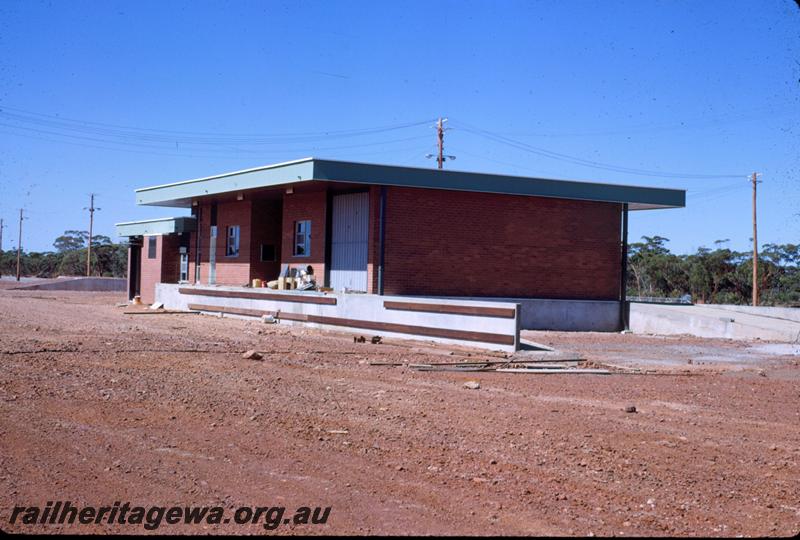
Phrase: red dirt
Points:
(97, 406)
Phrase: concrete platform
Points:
(487, 325)
(561, 315)
(717, 321)
(89, 284)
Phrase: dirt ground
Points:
(97, 406)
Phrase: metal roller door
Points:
(349, 236)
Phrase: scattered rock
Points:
(359, 339)
(252, 355)
(376, 339)
(630, 409)
(472, 385)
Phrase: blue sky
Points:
(105, 97)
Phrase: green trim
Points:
(161, 226)
(180, 194)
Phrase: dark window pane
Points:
(267, 253)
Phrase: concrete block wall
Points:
(450, 243)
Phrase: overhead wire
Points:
(581, 161)
(24, 117)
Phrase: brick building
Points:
(392, 230)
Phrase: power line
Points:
(190, 137)
(209, 152)
(586, 162)
(754, 114)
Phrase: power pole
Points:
(755, 181)
(440, 155)
(91, 210)
(440, 136)
(19, 242)
(1, 246)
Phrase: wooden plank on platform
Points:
(427, 331)
(482, 311)
(298, 298)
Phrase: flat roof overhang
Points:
(160, 226)
(181, 194)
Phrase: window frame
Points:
(301, 227)
(236, 230)
(152, 247)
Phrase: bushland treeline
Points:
(69, 258)
(714, 276)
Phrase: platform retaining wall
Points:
(488, 325)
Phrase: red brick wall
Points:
(151, 270)
(479, 244)
(267, 220)
(170, 258)
(373, 249)
(165, 268)
(301, 206)
(230, 270)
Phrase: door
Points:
(349, 238)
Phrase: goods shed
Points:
(554, 247)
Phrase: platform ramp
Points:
(88, 284)
(717, 321)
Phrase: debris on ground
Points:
(376, 339)
(720, 449)
(252, 355)
(359, 339)
(472, 385)
(630, 409)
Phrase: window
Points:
(232, 245)
(268, 253)
(302, 238)
(151, 247)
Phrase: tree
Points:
(71, 240)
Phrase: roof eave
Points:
(181, 194)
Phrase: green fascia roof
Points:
(181, 194)
(161, 226)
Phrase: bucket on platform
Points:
(256, 282)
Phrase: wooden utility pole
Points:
(1, 246)
(754, 180)
(91, 210)
(19, 242)
(440, 134)
(440, 155)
